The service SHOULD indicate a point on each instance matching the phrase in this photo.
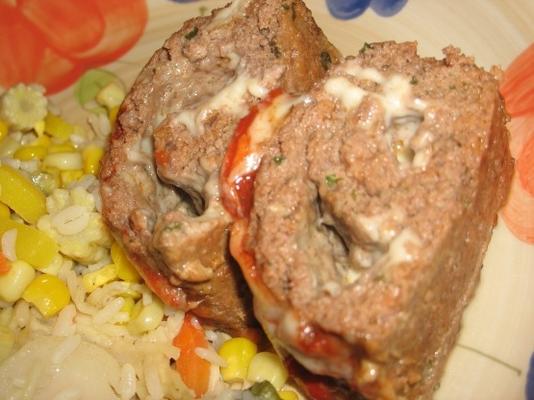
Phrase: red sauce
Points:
(161, 157)
(237, 195)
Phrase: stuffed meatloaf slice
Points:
(372, 210)
(160, 174)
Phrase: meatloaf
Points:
(370, 216)
(160, 175)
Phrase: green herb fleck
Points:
(264, 390)
(278, 159)
(331, 180)
(365, 47)
(202, 10)
(285, 7)
(326, 60)
(414, 80)
(190, 35)
(173, 226)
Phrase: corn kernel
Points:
(7, 341)
(3, 129)
(125, 269)
(66, 147)
(5, 212)
(128, 306)
(48, 294)
(266, 366)
(237, 352)
(100, 277)
(110, 95)
(147, 319)
(8, 146)
(67, 177)
(57, 127)
(42, 140)
(288, 395)
(21, 195)
(39, 127)
(26, 153)
(54, 266)
(91, 159)
(64, 161)
(15, 281)
(32, 245)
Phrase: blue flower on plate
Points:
(530, 379)
(347, 9)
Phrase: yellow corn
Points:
(100, 277)
(21, 195)
(39, 127)
(66, 147)
(14, 282)
(146, 318)
(125, 269)
(91, 159)
(32, 245)
(237, 352)
(288, 395)
(54, 266)
(57, 127)
(3, 129)
(128, 306)
(48, 294)
(5, 212)
(25, 153)
(42, 140)
(110, 95)
(67, 177)
(8, 146)
(64, 161)
(7, 341)
(266, 366)
(112, 114)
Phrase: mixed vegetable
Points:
(52, 235)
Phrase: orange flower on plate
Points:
(52, 42)
(518, 92)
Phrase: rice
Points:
(153, 382)
(210, 356)
(128, 382)
(71, 220)
(64, 325)
(109, 311)
(9, 239)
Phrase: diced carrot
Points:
(4, 264)
(517, 87)
(194, 371)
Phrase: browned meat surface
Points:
(373, 208)
(160, 176)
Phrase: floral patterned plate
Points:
(54, 41)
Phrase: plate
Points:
(491, 358)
